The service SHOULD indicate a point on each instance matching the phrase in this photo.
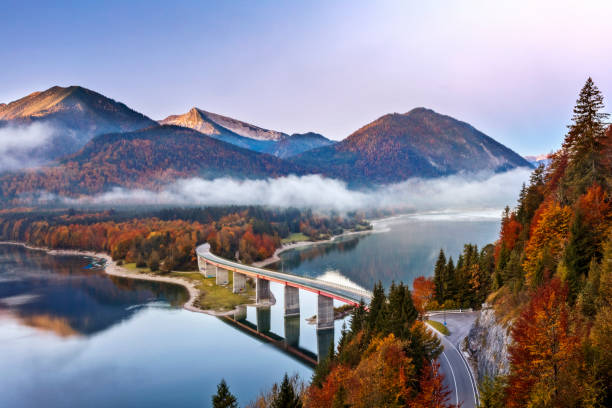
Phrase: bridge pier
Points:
(325, 313)
(202, 265)
(239, 282)
(292, 331)
(241, 313)
(325, 338)
(222, 276)
(292, 301)
(262, 290)
(210, 270)
(264, 317)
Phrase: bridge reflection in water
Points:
(290, 343)
(288, 287)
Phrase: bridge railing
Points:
(204, 251)
(449, 311)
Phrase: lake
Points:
(400, 248)
(70, 335)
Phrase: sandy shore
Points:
(111, 268)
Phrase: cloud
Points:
(457, 192)
(17, 144)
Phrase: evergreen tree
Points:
(358, 319)
(224, 398)
(583, 141)
(450, 290)
(286, 397)
(439, 277)
(378, 306)
(580, 249)
(401, 311)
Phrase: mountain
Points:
(420, 143)
(72, 116)
(146, 158)
(535, 161)
(246, 135)
(299, 143)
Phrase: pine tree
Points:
(378, 306)
(583, 141)
(580, 250)
(439, 277)
(224, 398)
(286, 397)
(449, 280)
(358, 319)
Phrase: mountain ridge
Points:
(418, 143)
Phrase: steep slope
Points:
(420, 143)
(73, 116)
(145, 158)
(204, 122)
(299, 143)
(246, 135)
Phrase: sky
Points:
(512, 69)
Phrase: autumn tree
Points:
(422, 293)
(545, 355)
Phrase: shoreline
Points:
(301, 244)
(111, 268)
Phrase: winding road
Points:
(458, 376)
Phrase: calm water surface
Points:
(72, 336)
(400, 249)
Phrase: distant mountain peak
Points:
(419, 143)
(208, 123)
(77, 113)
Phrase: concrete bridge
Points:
(211, 265)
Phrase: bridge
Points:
(211, 265)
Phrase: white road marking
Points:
(454, 379)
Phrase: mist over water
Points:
(457, 192)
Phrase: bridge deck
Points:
(342, 293)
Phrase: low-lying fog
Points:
(457, 192)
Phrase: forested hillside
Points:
(550, 274)
(73, 115)
(419, 143)
(145, 158)
(167, 238)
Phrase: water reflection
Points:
(61, 294)
(408, 248)
(72, 336)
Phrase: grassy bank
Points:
(439, 327)
(212, 296)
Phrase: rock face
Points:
(487, 344)
(245, 135)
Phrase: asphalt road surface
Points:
(457, 374)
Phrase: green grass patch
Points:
(132, 267)
(439, 327)
(212, 296)
(217, 297)
(295, 237)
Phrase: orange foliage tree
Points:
(545, 355)
(422, 293)
(548, 237)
